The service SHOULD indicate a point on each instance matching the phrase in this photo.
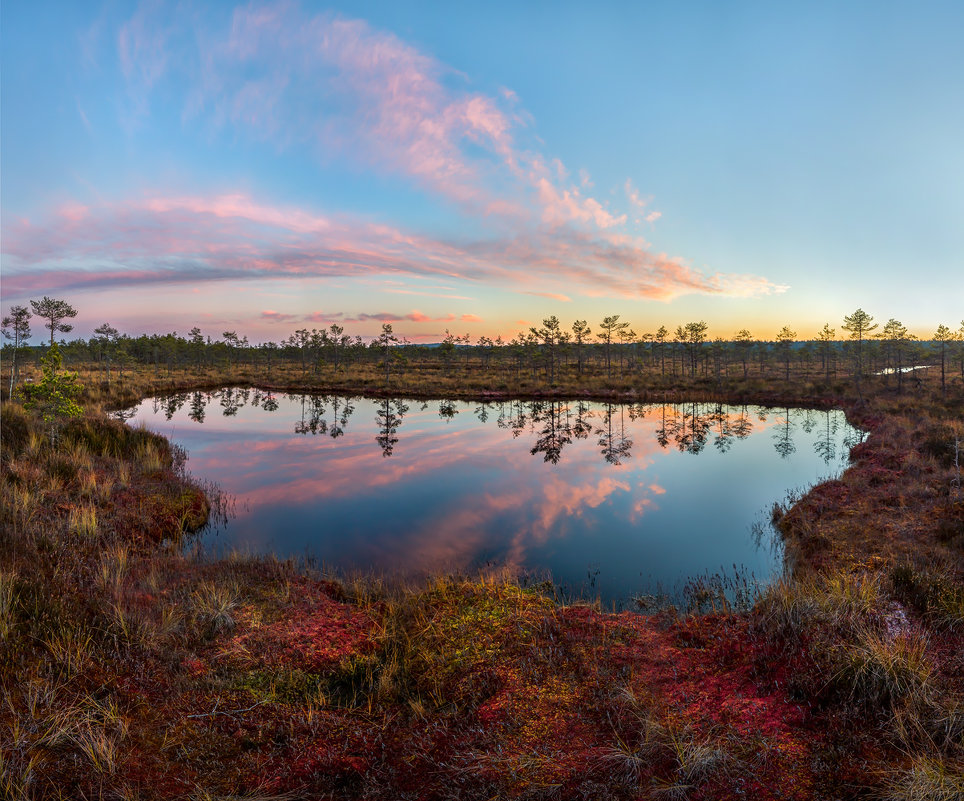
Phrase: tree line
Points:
(610, 348)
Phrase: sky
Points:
(476, 167)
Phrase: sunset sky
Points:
(268, 166)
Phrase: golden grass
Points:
(214, 604)
(8, 602)
(113, 567)
(886, 671)
(82, 521)
(927, 778)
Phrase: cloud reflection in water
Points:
(643, 494)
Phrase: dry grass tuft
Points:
(83, 521)
(927, 779)
(214, 604)
(885, 671)
(8, 602)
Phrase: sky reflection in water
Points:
(612, 499)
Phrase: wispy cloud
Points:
(428, 294)
(281, 73)
(338, 86)
(389, 317)
(277, 317)
(640, 204)
(552, 296)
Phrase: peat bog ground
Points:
(132, 667)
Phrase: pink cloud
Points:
(231, 237)
(142, 45)
(276, 317)
(560, 206)
(341, 89)
(552, 296)
(389, 317)
(470, 318)
(282, 73)
(74, 212)
(395, 291)
(632, 193)
(640, 203)
(323, 317)
(386, 104)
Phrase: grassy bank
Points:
(133, 669)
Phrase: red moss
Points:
(313, 633)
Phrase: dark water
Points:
(611, 499)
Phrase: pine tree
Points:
(53, 311)
(16, 328)
(54, 397)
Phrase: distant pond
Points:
(611, 500)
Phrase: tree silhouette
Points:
(16, 327)
(385, 341)
(54, 311)
(942, 336)
(786, 338)
(826, 339)
(197, 344)
(859, 324)
(610, 330)
(659, 340)
(580, 334)
(694, 336)
(896, 336)
(626, 336)
(550, 334)
(960, 349)
(107, 339)
(744, 341)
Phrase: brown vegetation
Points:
(131, 668)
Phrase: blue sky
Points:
(263, 167)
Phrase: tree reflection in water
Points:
(614, 444)
(415, 485)
(783, 436)
(388, 418)
(555, 433)
(553, 424)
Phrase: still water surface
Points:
(610, 499)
